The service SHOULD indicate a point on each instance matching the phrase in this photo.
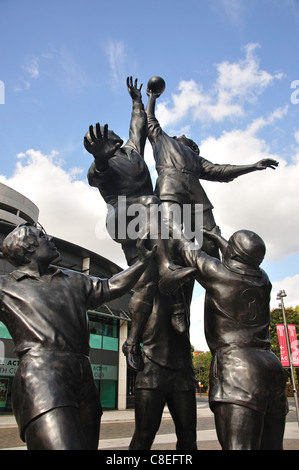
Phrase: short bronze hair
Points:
(19, 243)
(188, 142)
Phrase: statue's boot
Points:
(139, 309)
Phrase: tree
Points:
(202, 360)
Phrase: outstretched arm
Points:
(217, 238)
(138, 124)
(125, 280)
(227, 173)
(261, 165)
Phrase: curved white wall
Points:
(16, 208)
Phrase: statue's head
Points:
(26, 239)
(246, 247)
(188, 142)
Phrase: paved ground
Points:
(118, 427)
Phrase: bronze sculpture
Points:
(247, 383)
(54, 397)
(119, 171)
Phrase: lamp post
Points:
(280, 295)
(199, 383)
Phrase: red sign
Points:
(294, 345)
(284, 357)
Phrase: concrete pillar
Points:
(122, 367)
(85, 265)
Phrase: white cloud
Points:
(69, 208)
(237, 83)
(60, 65)
(261, 122)
(291, 286)
(266, 202)
(31, 71)
(115, 52)
(233, 9)
(244, 79)
(31, 66)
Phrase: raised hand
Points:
(133, 89)
(99, 144)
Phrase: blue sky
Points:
(229, 67)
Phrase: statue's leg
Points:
(149, 405)
(182, 407)
(140, 308)
(58, 429)
(273, 432)
(90, 410)
(238, 427)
